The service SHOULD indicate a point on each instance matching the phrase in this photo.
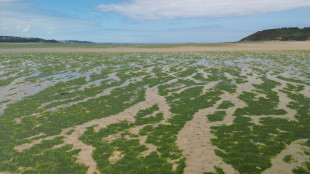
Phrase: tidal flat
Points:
(243, 111)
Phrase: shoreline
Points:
(160, 48)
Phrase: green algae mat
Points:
(215, 112)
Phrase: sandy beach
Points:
(238, 46)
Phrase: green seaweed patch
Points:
(216, 116)
(143, 113)
(301, 170)
(145, 116)
(294, 80)
(6, 82)
(246, 146)
(218, 170)
(259, 143)
(287, 158)
(225, 105)
(226, 85)
(260, 106)
(132, 161)
(70, 132)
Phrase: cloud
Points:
(170, 9)
(23, 28)
(19, 18)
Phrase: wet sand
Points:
(238, 46)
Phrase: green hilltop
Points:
(280, 34)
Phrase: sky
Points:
(149, 21)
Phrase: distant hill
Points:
(280, 34)
(13, 39)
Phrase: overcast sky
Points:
(149, 21)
